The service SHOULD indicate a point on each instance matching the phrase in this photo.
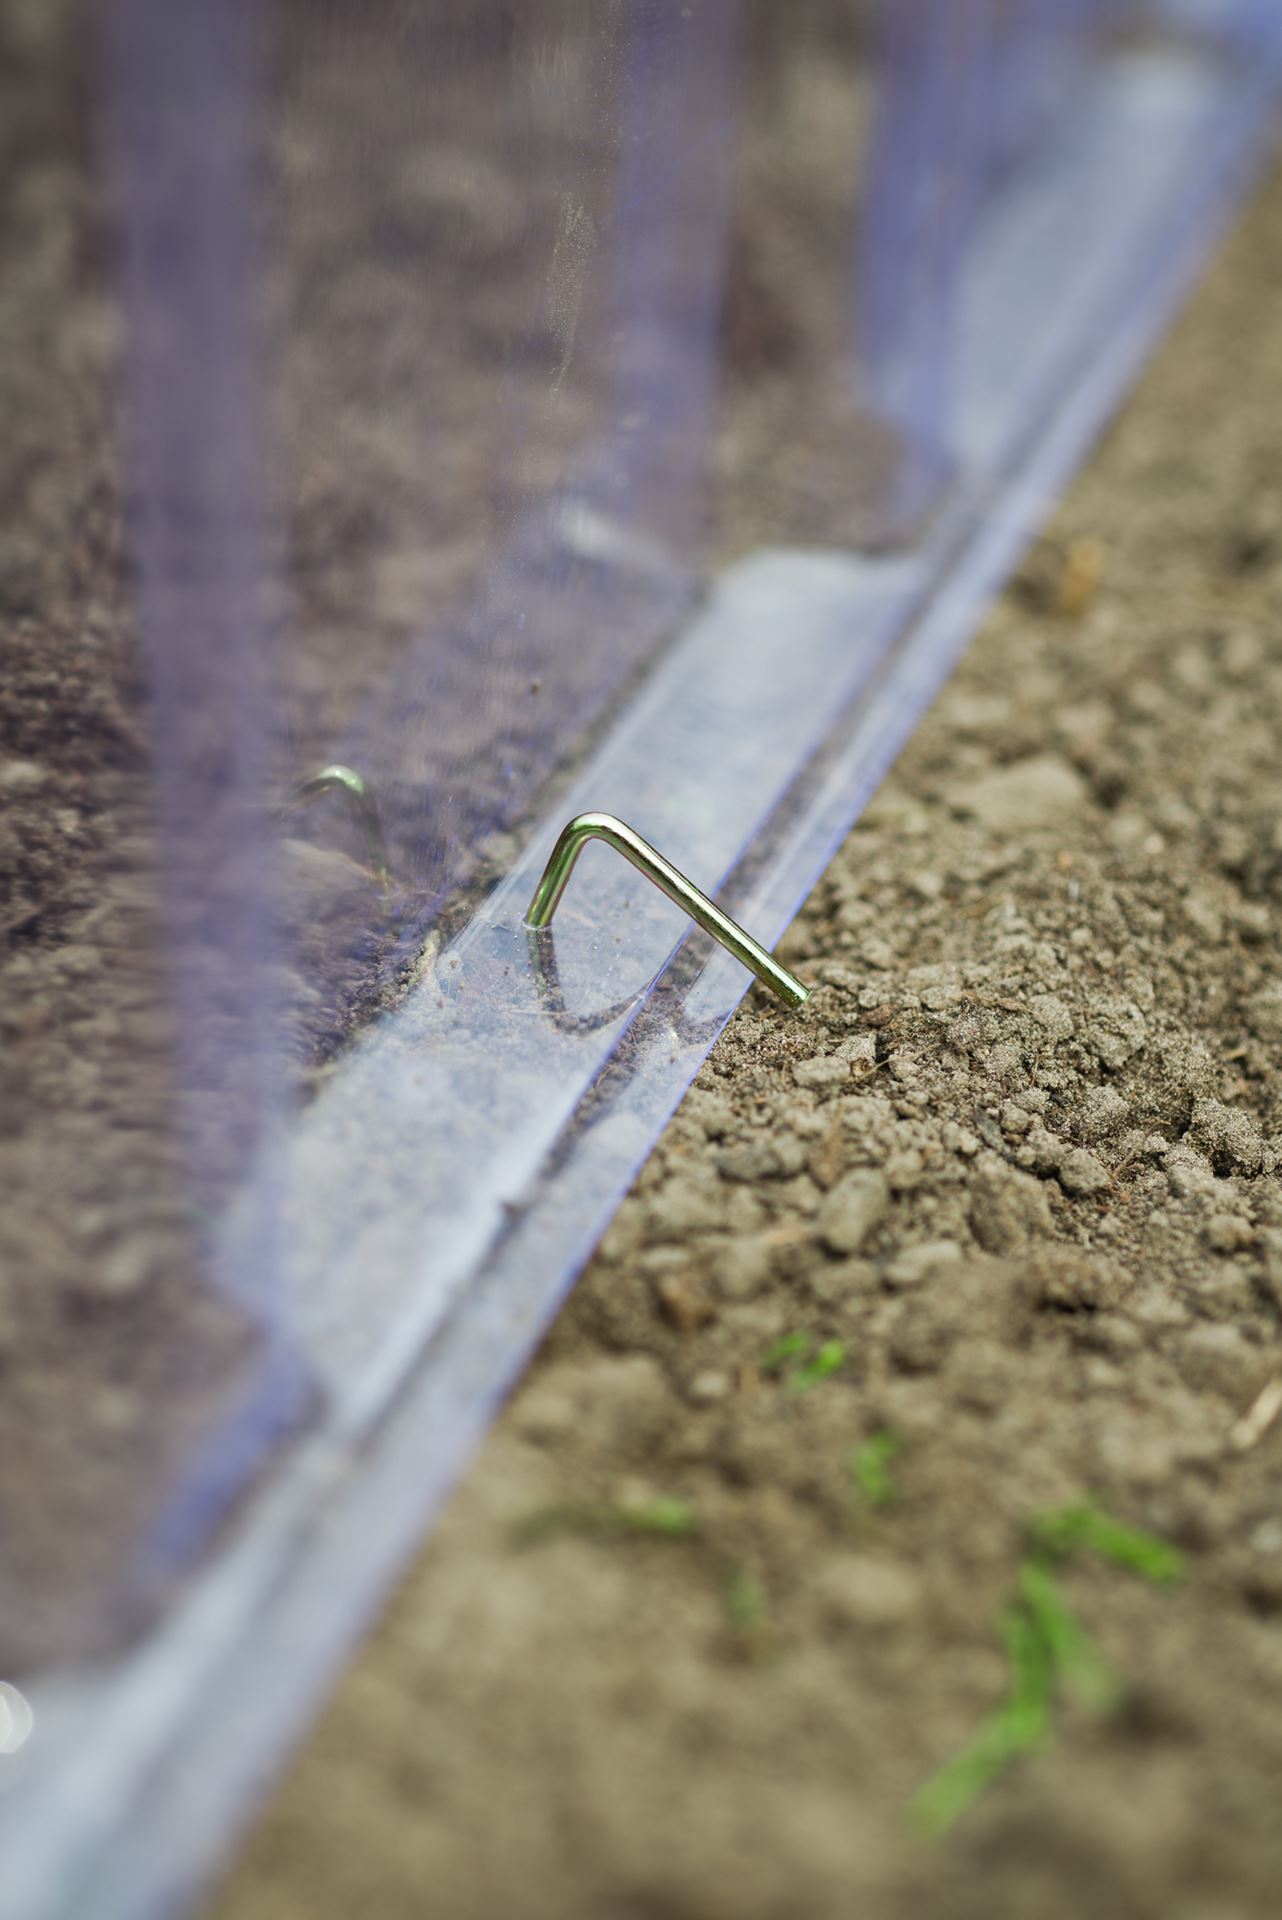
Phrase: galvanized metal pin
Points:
(645, 858)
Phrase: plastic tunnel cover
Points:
(479, 413)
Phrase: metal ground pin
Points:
(336, 779)
(604, 826)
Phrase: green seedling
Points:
(745, 1600)
(793, 1346)
(665, 1516)
(1073, 1654)
(754, 1631)
(790, 1355)
(1020, 1724)
(830, 1359)
(1047, 1648)
(870, 1467)
(1055, 1535)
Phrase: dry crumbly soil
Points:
(1020, 1154)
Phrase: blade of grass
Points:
(830, 1359)
(1045, 1644)
(792, 1346)
(870, 1467)
(745, 1600)
(666, 1516)
(1020, 1724)
(1076, 1658)
(1026, 1715)
(1086, 1525)
(940, 1804)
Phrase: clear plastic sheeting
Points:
(501, 244)
(519, 410)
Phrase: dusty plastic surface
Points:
(395, 1251)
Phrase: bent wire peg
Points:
(336, 779)
(645, 858)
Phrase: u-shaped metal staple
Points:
(647, 860)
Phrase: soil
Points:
(1019, 1155)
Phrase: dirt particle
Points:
(904, 1171)
(828, 1157)
(682, 1304)
(1217, 1359)
(1083, 1173)
(923, 1334)
(1042, 791)
(852, 1209)
(916, 1265)
(879, 1016)
(1117, 1031)
(1188, 1173)
(712, 1113)
(20, 778)
(1263, 1012)
(1261, 1582)
(1074, 1281)
(545, 1410)
(1052, 1015)
(708, 1387)
(689, 1205)
(959, 1140)
(124, 1271)
(740, 1267)
(1229, 1138)
(856, 1590)
(1008, 1209)
(1227, 1233)
(822, 1073)
(1102, 1114)
(1042, 1151)
(750, 1160)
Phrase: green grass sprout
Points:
(755, 1636)
(665, 1516)
(870, 1467)
(1047, 1649)
(793, 1346)
(940, 1804)
(1075, 1657)
(1055, 1535)
(1026, 1715)
(793, 1356)
(1020, 1724)
(830, 1359)
(745, 1600)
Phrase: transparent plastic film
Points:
(427, 425)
